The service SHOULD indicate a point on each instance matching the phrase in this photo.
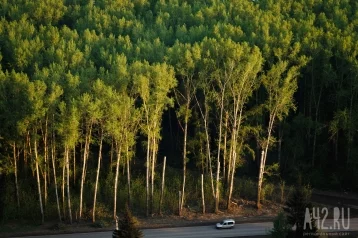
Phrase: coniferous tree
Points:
(296, 208)
(128, 227)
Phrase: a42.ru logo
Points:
(341, 218)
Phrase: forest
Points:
(162, 104)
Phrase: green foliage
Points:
(127, 225)
(119, 65)
(281, 227)
(296, 209)
(246, 188)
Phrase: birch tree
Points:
(280, 83)
(153, 84)
(185, 59)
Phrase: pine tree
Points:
(281, 227)
(296, 207)
(128, 227)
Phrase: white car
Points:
(226, 223)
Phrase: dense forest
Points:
(163, 104)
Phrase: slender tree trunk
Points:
(209, 159)
(116, 180)
(219, 150)
(97, 176)
(202, 194)
(129, 179)
(229, 163)
(217, 194)
(45, 159)
(53, 153)
(63, 189)
(16, 182)
(74, 165)
(261, 168)
(85, 157)
(263, 160)
(225, 145)
(184, 156)
(147, 174)
(38, 181)
(236, 128)
(206, 128)
(67, 151)
(152, 175)
(280, 135)
(162, 190)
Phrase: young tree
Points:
(153, 84)
(186, 68)
(68, 130)
(280, 83)
(242, 68)
(127, 226)
(90, 114)
(296, 208)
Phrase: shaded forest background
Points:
(95, 93)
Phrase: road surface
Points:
(245, 229)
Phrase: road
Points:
(245, 229)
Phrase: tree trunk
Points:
(116, 180)
(280, 135)
(97, 176)
(206, 128)
(67, 151)
(85, 157)
(261, 168)
(217, 197)
(45, 159)
(74, 165)
(225, 145)
(129, 179)
(16, 182)
(147, 174)
(202, 193)
(229, 163)
(152, 173)
(63, 189)
(219, 150)
(236, 127)
(263, 160)
(38, 181)
(162, 190)
(54, 176)
(184, 157)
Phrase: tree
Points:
(281, 227)
(91, 113)
(68, 130)
(127, 225)
(280, 84)
(152, 84)
(296, 207)
(186, 69)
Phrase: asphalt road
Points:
(245, 229)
